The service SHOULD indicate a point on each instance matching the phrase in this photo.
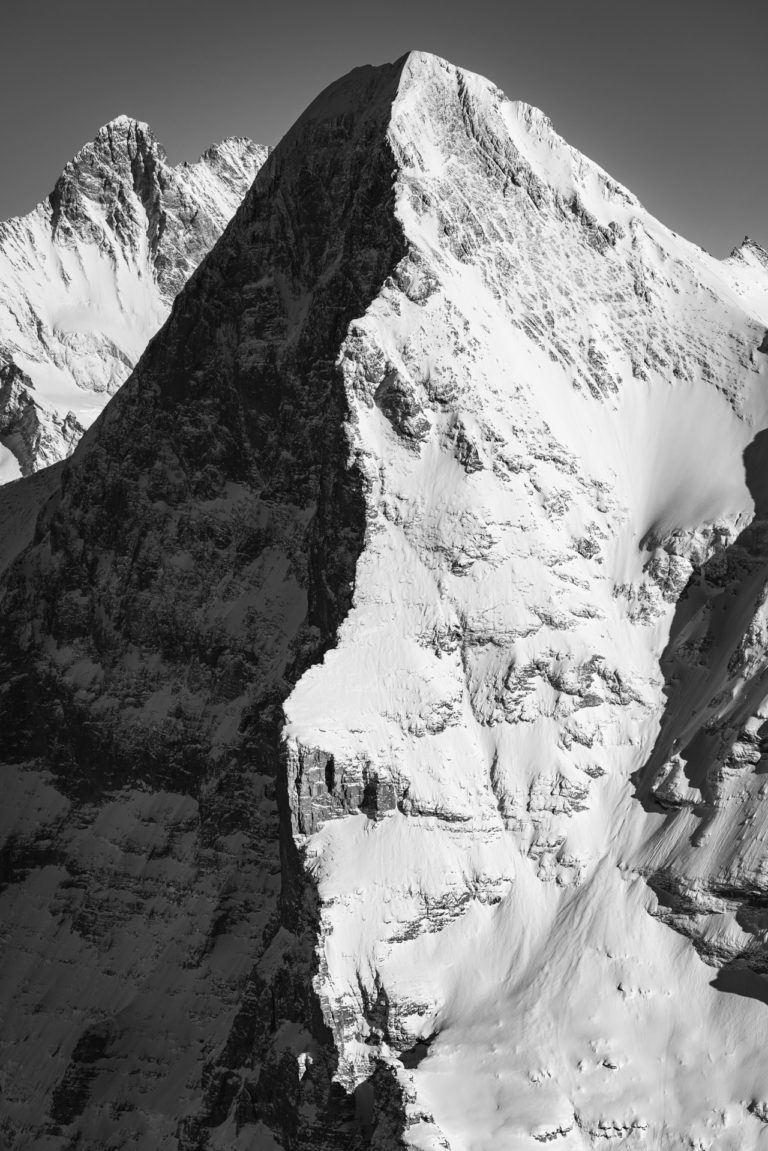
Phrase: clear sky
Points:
(669, 97)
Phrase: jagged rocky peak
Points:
(231, 154)
(747, 272)
(124, 150)
(381, 765)
(750, 250)
(88, 276)
(125, 154)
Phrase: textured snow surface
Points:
(521, 800)
(550, 407)
(89, 276)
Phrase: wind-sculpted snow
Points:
(88, 277)
(336, 665)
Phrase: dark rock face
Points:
(197, 557)
(322, 793)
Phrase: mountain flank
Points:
(382, 681)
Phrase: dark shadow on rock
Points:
(711, 615)
(738, 980)
(700, 721)
(756, 468)
(220, 468)
(416, 1054)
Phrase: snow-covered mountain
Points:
(384, 675)
(87, 278)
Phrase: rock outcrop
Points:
(339, 809)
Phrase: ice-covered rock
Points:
(88, 277)
(340, 812)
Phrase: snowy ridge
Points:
(383, 680)
(88, 277)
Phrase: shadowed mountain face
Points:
(333, 656)
(196, 558)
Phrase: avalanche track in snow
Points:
(385, 674)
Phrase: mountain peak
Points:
(750, 251)
(365, 579)
(88, 276)
(123, 135)
(126, 123)
(232, 148)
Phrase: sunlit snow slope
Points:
(383, 683)
(88, 277)
(550, 403)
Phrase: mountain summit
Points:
(382, 704)
(88, 277)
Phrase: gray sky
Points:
(669, 97)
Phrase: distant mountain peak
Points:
(124, 122)
(89, 275)
(751, 250)
(124, 135)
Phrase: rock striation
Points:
(381, 680)
(88, 277)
